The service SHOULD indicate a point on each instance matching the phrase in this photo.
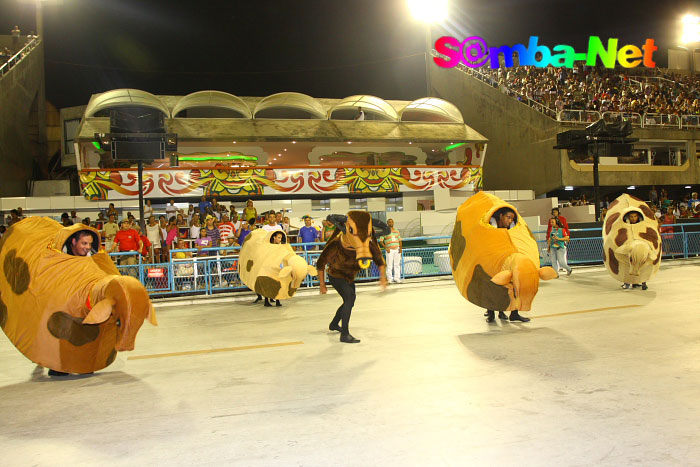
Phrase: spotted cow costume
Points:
(495, 268)
(67, 313)
(632, 252)
(272, 270)
(352, 247)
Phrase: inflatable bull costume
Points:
(273, 271)
(71, 314)
(352, 247)
(495, 265)
(631, 242)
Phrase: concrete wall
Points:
(18, 89)
(519, 155)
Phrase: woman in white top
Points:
(148, 210)
(194, 227)
(153, 235)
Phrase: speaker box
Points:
(136, 120)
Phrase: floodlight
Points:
(691, 29)
(428, 11)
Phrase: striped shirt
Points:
(214, 235)
(393, 240)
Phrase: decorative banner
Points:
(122, 184)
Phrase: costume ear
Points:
(503, 278)
(380, 227)
(100, 312)
(312, 271)
(285, 271)
(152, 315)
(546, 273)
(338, 220)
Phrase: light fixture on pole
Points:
(690, 36)
(428, 12)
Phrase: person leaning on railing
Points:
(127, 239)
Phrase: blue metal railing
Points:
(187, 273)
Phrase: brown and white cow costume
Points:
(495, 268)
(352, 247)
(632, 252)
(67, 313)
(273, 271)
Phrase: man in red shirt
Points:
(227, 230)
(128, 240)
(562, 219)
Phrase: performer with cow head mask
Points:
(352, 247)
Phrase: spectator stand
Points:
(425, 257)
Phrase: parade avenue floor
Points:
(601, 376)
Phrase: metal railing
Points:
(218, 272)
(578, 116)
(615, 117)
(16, 58)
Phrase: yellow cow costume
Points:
(495, 268)
(274, 271)
(632, 252)
(67, 313)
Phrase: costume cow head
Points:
(124, 300)
(356, 231)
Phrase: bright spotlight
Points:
(631, 187)
(569, 188)
(428, 11)
(691, 29)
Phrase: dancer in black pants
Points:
(352, 247)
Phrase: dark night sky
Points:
(325, 48)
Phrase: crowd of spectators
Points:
(598, 89)
(7, 53)
(201, 227)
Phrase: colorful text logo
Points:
(474, 53)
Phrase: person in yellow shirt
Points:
(393, 245)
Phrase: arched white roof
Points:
(431, 109)
(213, 104)
(125, 98)
(289, 105)
(346, 109)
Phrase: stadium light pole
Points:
(428, 12)
(690, 36)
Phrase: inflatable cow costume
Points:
(495, 263)
(631, 242)
(352, 247)
(272, 270)
(71, 314)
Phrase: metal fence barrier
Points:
(426, 257)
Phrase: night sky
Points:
(328, 48)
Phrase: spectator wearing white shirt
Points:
(272, 224)
(170, 210)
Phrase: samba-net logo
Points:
(474, 53)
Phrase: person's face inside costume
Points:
(505, 220)
(81, 246)
(277, 239)
(634, 217)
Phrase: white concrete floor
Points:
(431, 384)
